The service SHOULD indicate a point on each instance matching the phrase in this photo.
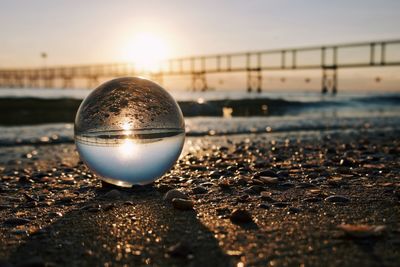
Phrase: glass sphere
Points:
(129, 131)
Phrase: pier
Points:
(254, 64)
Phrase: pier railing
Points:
(327, 58)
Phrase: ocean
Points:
(41, 116)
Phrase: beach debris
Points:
(182, 204)
(362, 230)
(241, 216)
(337, 199)
(174, 193)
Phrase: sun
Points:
(146, 51)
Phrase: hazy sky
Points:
(77, 32)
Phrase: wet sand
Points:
(258, 200)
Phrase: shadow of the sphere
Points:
(136, 228)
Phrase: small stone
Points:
(286, 185)
(108, 207)
(347, 162)
(91, 207)
(269, 180)
(282, 174)
(337, 199)
(113, 194)
(182, 204)
(16, 221)
(362, 230)
(264, 206)
(174, 193)
(198, 167)
(31, 197)
(293, 210)
(224, 184)
(241, 216)
(19, 232)
(222, 211)
(163, 188)
(180, 250)
(269, 173)
(281, 204)
(256, 189)
(199, 190)
(235, 253)
(265, 194)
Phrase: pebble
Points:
(269, 180)
(19, 232)
(362, 230)
(286, 185)
(91, 207)
(164, 188)
(282, 174)
(347, 162)
(256, 189)
(174, 193)
(337, 199)
(180, 250)
(182, 204)
(113, 194)
(16, 221)
(293, 210)
(264, 206)
(281, 204)
(269, 173)
(241, 216)
(199, 190)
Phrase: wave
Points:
(62, 133)
(33, 111)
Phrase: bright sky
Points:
(76, 32)
(102, 31)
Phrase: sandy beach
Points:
(313, 198)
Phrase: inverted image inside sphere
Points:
(128, 103)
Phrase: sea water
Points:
(129, 157)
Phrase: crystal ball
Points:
(129, 131)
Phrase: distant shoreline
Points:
(23, 111)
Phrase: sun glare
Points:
(128, 148)
(146, 51)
